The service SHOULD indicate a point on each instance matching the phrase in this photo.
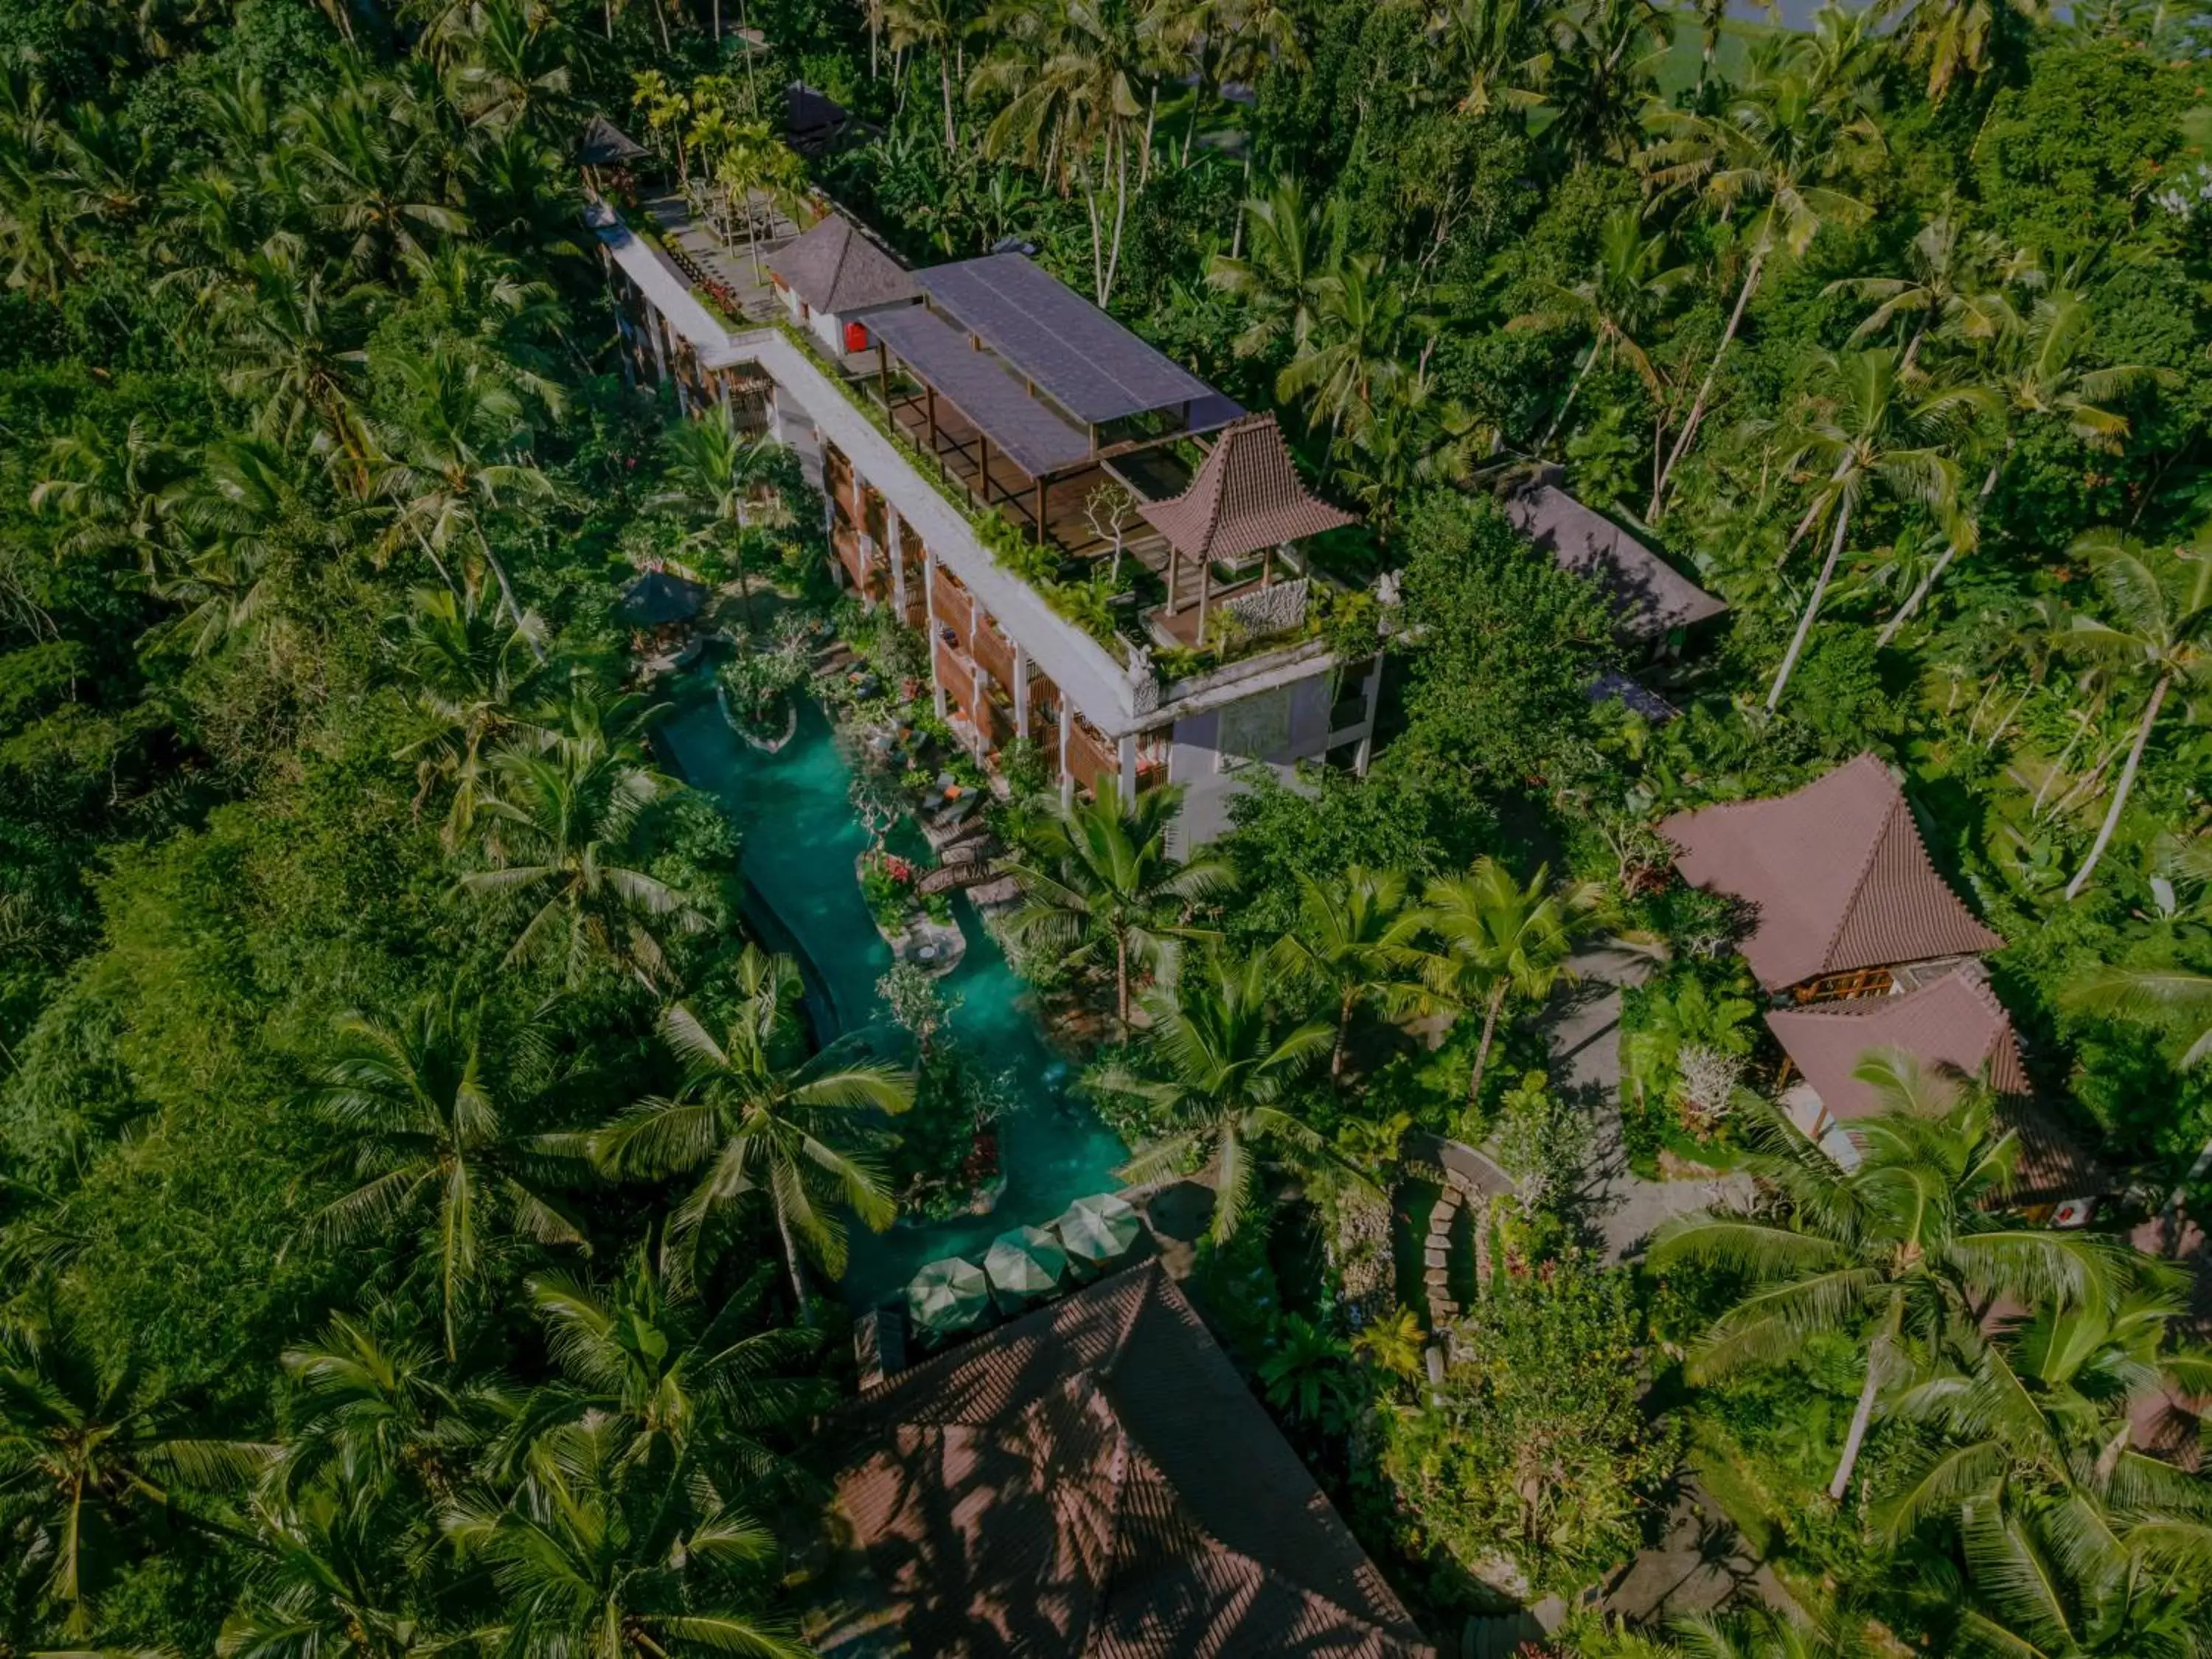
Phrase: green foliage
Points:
(1537, 1449)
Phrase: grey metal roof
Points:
(1031, 432)
(1072, 351)
(1653, 596)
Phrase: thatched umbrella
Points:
(658, 598)
(948, 1296)
(1025, 1262)
(1095, 1230)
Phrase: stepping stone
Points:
(1434, 1257)
(1436, 1277)
(1444, 1309)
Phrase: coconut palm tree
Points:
(1942, 262)
(367, 1397)
(760, 1119)
(469, 673)
(2033, 370)
(936, 26)
(455, 463)
(558, 825)
(331, 1569)
(1776, 147)
(2154, 995)
(643, 1351)
(429, 1101)
(281, 338)
(1356, 941)
(1097, 881)
(2041, 1416)
(1863, 426)
(1622, 293)
(2058, 1583)
(1600, 67)
(2157, 635)
(1501, 938)
(1495, 50)
(112, 489)
(1365, 323)
(90, 1454)
(1292, 250)
(1078, 105)
(1901, 1253)
(1216, 1063)
(1414, 437)
(376, 172)
(597, 1556)
(729, 480)
(1953, 36)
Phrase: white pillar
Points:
(1067, 777)
(1129, 766)
(929, 602)
(891, 523)
(659, 350)
(1367, 733)
(1021, 691)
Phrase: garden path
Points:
(1621, 1206)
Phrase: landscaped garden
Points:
(504, 974)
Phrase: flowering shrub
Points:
(887, 888)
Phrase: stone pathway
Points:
(1700, 1563)
(1622, 1208)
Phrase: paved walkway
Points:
(1620, 1207)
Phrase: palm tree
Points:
(1079, 107)
(430, 1105)
(1941, 262)
(367, 1397)
(331, 1570)
(559, 823)
(1355, 354)
(1774, 144)
(2040, 1417)
(2035, 371)
(1953, 35)
(1355, 940)
(1309, 1374)
(642, 1353)
(1865, 425)
(1619, 298)
(2057, 1583)
(1097, 879)
(1600, 67)
(468, 671)
(376, 172)
(1414, 438)
(596, 1557)
(88, 1453)
(731, 481)
(1218, 1066)
(455, 463)
(281, 338)
(1293, 251)
(760, 1119)
(1501, 938)
(937, 26)
(1901, 1252)
(113, 489)
(2155, 995)
(2158, 636)
(1494, 49)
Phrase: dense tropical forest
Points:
(420, 1201)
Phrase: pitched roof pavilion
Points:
(1653, 597)
(1838, 874)
(1955, 1023)
(836, 269)
(1095, 1480)
(1246, 496)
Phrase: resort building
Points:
(1865, 949)
(1091, 1478)
(1112, 561)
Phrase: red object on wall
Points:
(856, 337)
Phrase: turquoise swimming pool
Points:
(800, 842)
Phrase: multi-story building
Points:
(1109, 557)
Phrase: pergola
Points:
(1020, 384)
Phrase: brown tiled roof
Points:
(834, 268)
(1837, 873)
(1246, 496)
(1955, 1023)
(1652, 595)
(1094, 1480)
(2169, 1422)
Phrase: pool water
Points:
(802, 896)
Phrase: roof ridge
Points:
(1849, 908)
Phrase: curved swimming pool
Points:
(800, 841)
